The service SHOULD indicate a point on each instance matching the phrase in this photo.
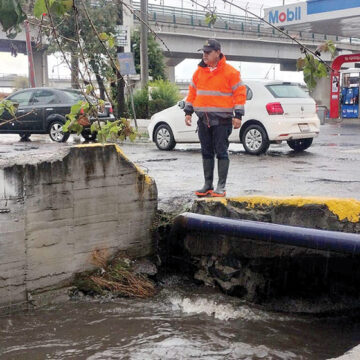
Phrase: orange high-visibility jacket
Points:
(217, 94)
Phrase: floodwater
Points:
(179, 323)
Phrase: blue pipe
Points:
(283, 234)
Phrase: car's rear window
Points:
(76, 96)
(287, 91)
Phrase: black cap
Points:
(211, 44)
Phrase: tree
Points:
(312, 68)
(21, 82)
(104, 14)
(50, 15)
(156, 57)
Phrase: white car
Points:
(275, 111)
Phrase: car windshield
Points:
(286, 90)
(76, 96)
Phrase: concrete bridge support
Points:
(41, 67)
(170, 67)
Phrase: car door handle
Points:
(49, 109)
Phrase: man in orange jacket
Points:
(217, 95)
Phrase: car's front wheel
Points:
(24, 136)
(255, 140)
(164, 138)
(300, 144)
(56, 133)
(88, 135)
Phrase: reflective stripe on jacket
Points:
(217, 94)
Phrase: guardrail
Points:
(179, 12)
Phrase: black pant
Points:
(214, 140)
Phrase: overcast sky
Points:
(19, 65)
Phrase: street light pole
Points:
(144, 61)
(120, 84)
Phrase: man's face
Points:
(211, 57)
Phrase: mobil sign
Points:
(284, 14)
(288, 15)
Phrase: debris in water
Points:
(115, 276)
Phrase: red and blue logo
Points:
(287, 15)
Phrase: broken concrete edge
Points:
(343, 208)
(147, 178)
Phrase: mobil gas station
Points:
(339, 94)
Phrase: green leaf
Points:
(76, 108)
(111, 42)
(65, 127)
(89, 89)
(94, 127)
(322, 70)
(11, 16)
(101, 137)
(40, 8)
(68, 4)
(103, 36)
(210, 18)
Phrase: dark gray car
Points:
(44, 111)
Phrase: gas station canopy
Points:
(331, 17)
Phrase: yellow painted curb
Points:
(343, 208)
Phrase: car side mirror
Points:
(181, 104)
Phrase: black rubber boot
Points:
(208, 167)
(223, 168)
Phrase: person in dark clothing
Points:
(217, 95)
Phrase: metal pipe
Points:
(283, 234)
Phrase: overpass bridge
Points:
(8, 81)
(184, 30)
(242, 38)
(18, 45)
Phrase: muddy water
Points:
(177, 324)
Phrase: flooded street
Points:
(185, 323)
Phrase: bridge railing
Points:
(180, 12)
(246, 25)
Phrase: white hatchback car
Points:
(275, 111)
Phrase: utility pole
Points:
(30, 54)
(144, 61)
(120, 83)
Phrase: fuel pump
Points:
(349, 99)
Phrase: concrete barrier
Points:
(54, 214)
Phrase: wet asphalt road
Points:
(330, 167)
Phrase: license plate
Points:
(304, 127)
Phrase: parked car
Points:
(275, 111)
(44, 111)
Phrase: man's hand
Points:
(188, 120)
(236, 123)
